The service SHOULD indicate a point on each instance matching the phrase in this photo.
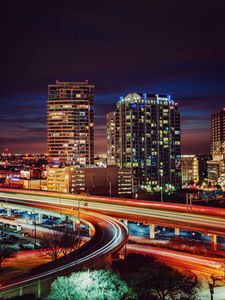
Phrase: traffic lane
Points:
(205, 267)
(94, 218)
(173, 221)
(212, 224)
(109, 235)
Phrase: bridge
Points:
(109, 237)
(207, 220)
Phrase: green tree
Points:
(90, 285)
(154, 280)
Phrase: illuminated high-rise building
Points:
(111, 138)
(218, 132)
(70, 123)
(148, 140)
(216, 167)
(189, 169)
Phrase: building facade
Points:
(216, 167)
(189, 169)
(107, 181)
(148, 140)
(70, 123)
(218, 132)
(111, 138)
(59, 179)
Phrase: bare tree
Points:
(69, 242)
(6, 253)
(57, 243)
(52, 242)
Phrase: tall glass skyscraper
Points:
(218, 132)
(148, 140)
(216, 167)
(71, 123)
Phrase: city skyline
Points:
(182, 55)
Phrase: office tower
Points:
(189, 169)
(218, 133)
(111, 138)
(216, 167)
(148, 140)
(59, 179)
(70, 123)
(106, 181)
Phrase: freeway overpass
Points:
(197, 218)
(109, 237)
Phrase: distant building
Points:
(189, 169)
(218, 132)
(101, 160)
(111, 138)
(148, 140)
(59, 179)
(109, 181)
(35, 184)
(203, 166)
(70, 123)
(216, 167)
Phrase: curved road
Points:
(110, 235)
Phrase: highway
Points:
(161, 214)
(204, 267)
(109, 236)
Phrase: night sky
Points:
(166, 46)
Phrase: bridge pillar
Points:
(214, 241)
(9, 210)
(40, 218)
(151, 231)
(20, 291)
(39, 289)
(177, 231)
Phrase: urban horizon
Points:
(100, 147)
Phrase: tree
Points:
(68, 242)
(52, 242)
(6, 252)
(90, 285)
(57, 243)
(154, 280)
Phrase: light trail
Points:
(115, 235)
(198, 222)
(204, 266)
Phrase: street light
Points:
(161, 184)
(35, 229)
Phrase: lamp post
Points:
(189, 197)
(35, 229)
(161, 184)
(78, 214)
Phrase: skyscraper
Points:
(148, 140)
(216, 167)
(218, 132)
(70, 123)
(111, 138)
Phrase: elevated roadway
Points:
(203, 219)
(110, 235)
